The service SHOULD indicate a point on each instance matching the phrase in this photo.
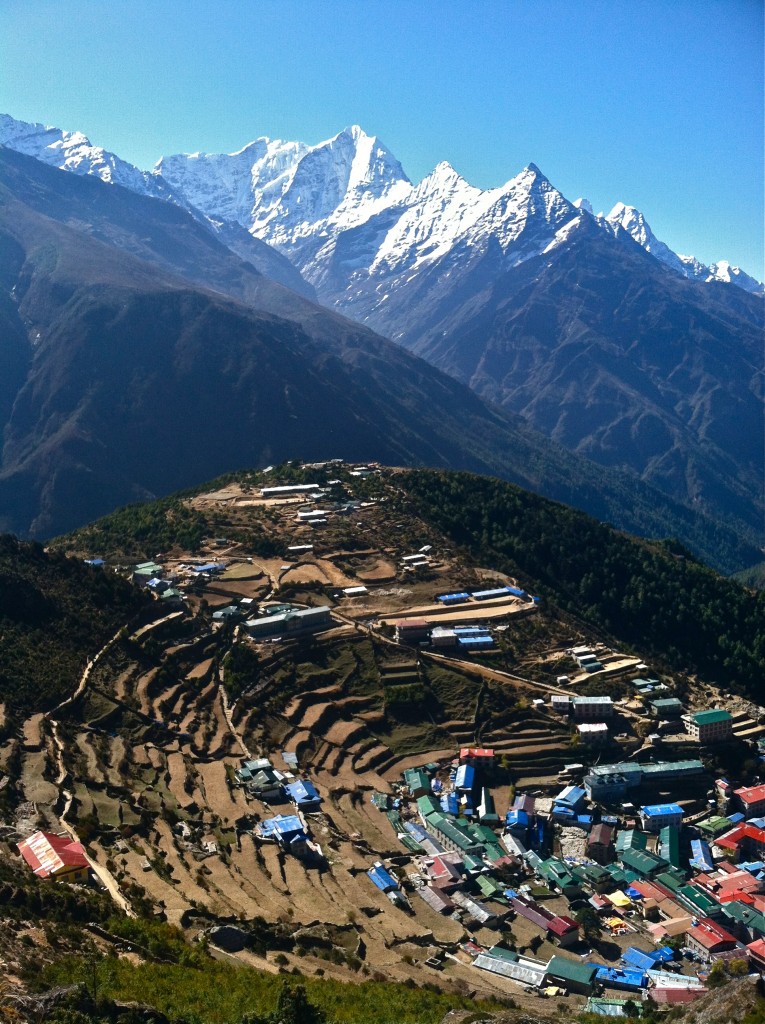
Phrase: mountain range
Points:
(585, 328)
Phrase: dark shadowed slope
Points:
(124, 381)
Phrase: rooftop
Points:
(710, 717)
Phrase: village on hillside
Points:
(367, 735)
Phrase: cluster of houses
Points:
(467, 638)
(291, 832)
(694, 889)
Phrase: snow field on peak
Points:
(305, 200)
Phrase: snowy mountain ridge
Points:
(344, 210)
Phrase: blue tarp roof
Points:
(209, 567)
(285, 825)
(465, 777)
(516, 817)
(303, 791)
(659, 810)
(382, 878)
(700, 855)
(753, 866)
(663, 955)
(620, 978)
(94, 561)
(461, 596)
(516, 591)
(450, 804)
(633, 893)
(638, 958)
(496, 592)
(565, 812)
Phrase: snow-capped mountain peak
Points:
(73, 151)
(346, 206)
(634, 223)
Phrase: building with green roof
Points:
(714, 826)
(697, 901)
(571, 975)
(452, 834)
(491, 888)
(666, 707)
(622, 877)
(417, 782)
(750, 922)
(669, 845)
(428, 804)
(710, 726)
(645, 864)
(669, 880)
(631, 839)
(556, 873)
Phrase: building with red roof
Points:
(563, 930)
(55, 856)
(756, 952)
(707, 938)
(477, 755)
(743, 839)
(676, 996)
(751, 800)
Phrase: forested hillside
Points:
(655, 596)
(55, 613)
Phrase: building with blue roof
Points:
(563, 815)
(382, 878)
(465, 778)
(701, 856)
(615, 977)
(456, 598)
(572, 797)
(476, 643)
(517, 822)
(638, 958)
(304, 794)
(487, 595)
(450, 804)
(655, 817)
(287, 830)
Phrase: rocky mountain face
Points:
(630, 353)
(140, 355)
(586, 325)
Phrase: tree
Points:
(589, 922)
(293, 1007)
(717, 975)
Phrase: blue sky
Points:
(657, 103)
